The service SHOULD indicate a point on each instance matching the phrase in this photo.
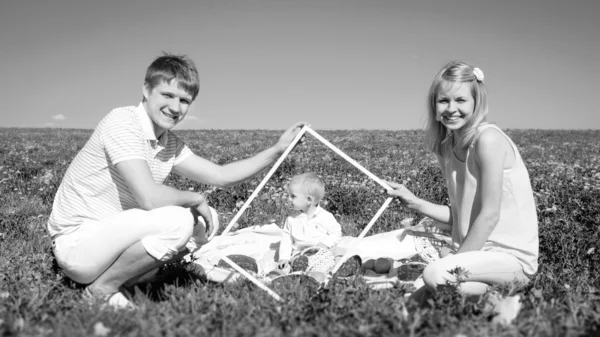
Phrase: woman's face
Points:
(454, 105)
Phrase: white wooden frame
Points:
(260, 186)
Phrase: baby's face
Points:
(299, 201)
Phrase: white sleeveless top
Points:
(517, 230)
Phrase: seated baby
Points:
(309, 225)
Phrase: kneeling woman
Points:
(492, 210)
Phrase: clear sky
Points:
(264, 64)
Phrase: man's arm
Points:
(150, 195)
(204, 171)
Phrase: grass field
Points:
(562, 300)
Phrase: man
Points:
(113, 221)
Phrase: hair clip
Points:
(478, 74)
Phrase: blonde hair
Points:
(310, 184)
(451, 74)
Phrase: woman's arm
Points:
(490, 151)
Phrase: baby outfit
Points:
(302, 231)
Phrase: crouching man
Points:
(113, 221)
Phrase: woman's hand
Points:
(403, 195)
(446, 251)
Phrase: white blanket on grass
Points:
(262, 243)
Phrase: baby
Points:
(309, 225)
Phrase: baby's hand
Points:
(283, 264)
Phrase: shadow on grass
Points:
(178, 274)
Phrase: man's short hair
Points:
(173, 67)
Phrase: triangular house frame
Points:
(260, 186)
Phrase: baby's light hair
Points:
(310, 184)
(174, 67)
(453, 73)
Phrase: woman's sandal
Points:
(116, 300)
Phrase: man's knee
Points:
(176, 227)
(174, 219)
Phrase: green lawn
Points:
(562, 300)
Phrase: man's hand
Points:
(213, 227)
(288, 136)
(211, 219)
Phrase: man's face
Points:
(167, 105)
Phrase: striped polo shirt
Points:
(92, 188)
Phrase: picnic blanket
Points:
(261, 243)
